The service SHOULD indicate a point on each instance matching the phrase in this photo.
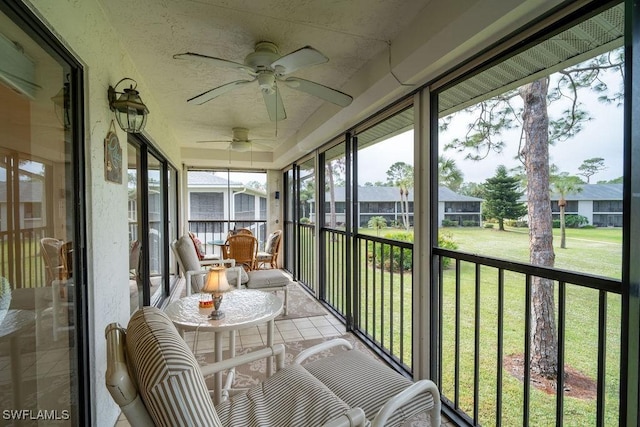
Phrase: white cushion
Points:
(232, 276)
(364, 382)
(190, 261)
(291, 397)
(168, 377)
(267, 279)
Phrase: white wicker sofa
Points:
(168, 388)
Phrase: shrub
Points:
(575, 221)
(449, 223)
(445, 240)
(488, 225)
(305, 220)
(390, 257)
(556, 223)
(470, 223)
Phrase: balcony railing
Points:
(210, 231)
(380, 304)
(485, 317)
(307, 256)
(21, 261)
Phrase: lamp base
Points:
(216, 314)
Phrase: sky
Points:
(600, 137)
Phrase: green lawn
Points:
(593, 251)
(596, 251)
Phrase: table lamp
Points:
(215, 285)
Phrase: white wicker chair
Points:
(169, 387)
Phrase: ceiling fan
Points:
(240, 141)
(267, 67)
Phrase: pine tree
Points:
(501, 197)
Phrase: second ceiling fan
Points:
(241, 142)
(267, 67)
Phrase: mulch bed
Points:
(576, 384)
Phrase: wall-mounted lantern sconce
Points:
(62, 105)
(130, 111)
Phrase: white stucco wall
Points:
(83, 28)
(585, 208)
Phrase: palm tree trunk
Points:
(563, 237)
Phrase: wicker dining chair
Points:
(269, 257)
(244, 231)
(243, 248)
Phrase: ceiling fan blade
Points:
(304, 57)
(215, 92)
(262, 146)
(321, 91)
(214, 141)
(216, 61)
(273, 101)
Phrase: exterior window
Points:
(607, 206)
(206, 205)
(32, 210)
(263, 208)
(245, 206)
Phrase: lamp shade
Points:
(216, 281)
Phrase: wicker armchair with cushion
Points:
(199, 247)
(243, 248)
(189, 262)
(270, 254)
(168, 386)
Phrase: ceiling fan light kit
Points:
(267, 67)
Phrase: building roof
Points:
(210, 179)
(594, 192)
(207, 179)
(392, 194)
(447, 195)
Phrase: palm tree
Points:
(377, 222)
(400, 174)
(563, 185)
(449, 174)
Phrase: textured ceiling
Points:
(349, 32)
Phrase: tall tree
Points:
(564, 184)
(335, 175)
(449, 174)
(590, 167)
(538, 132)
(400, 174)
(307, 192)
(501, 197)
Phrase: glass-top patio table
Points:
(242, 309)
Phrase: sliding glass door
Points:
(41, 259)
(152, 184)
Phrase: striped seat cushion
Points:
(364, 382)
(291, 397)
(167, 373)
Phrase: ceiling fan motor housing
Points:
(265, 54)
